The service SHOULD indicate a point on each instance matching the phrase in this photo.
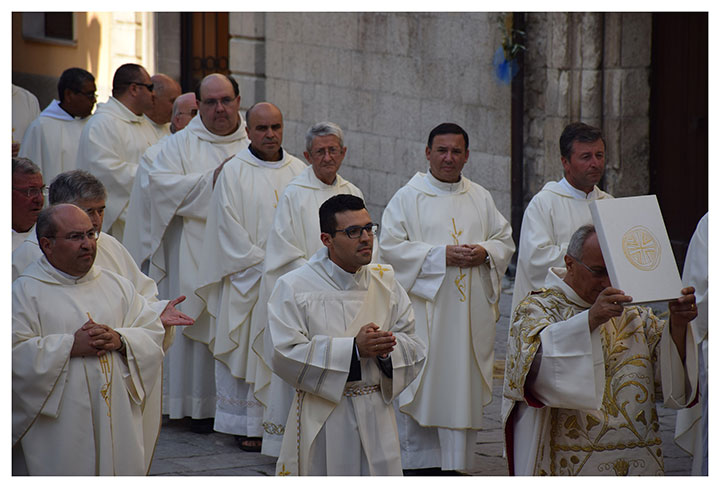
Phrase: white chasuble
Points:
(336, 427)
(52, 141)
(240, 215)
(459, 320)
(292, 240)
(83, 415)
(585, 405)
(111, 144)
(551, 218)
(178, 188)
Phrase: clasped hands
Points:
(371, 341)
(465, 255)
(93, 339)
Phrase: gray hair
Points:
(577, 241)
(323, 129)
(24, 166)
(73, 186)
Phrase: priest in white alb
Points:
(240, 215)
(450, 247)
(342, 334)
(691, 427)
(180, 183)
(584, 370)
(115, 137)
(559, 208)
(138, 233)
(87, 350)
(165, 92)
(292, 240)
(52, 139)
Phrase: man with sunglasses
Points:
(115, 138)
(239, 217)
(292, 240)
(342, 333)
(87, 353)
(450, 247)
(52, 139)
(584, 369)
(165, 92)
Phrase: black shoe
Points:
(202, 426)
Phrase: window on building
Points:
(49, 26)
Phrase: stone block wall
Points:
(595, 68)
(387, 79)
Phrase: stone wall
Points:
(592, 67)
(387, 79)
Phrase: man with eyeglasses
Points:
(560, 207)
(165, 238)
(584, 369)
(28, 198)
(450, 247)
(87, 353)
(239, 217)
(52, 139)
(292, 240)
(115, 138)
(165, 92)
(342, 333)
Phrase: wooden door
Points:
(679, 123)
(205, 46)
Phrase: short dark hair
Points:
(45, 225)
(577, 131)
(73, 186)
(236, 87)
(73, 79)
(448, 128)
(124, 76)
(334, 205)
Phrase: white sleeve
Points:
(431, 274)
(571, 366)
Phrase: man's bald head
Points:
(218, 104)
(184, 109)
(165, 91)
(67, 238)
(265, 130)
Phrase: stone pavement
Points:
(182, 452)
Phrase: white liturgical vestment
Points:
(52, 141)
(292, 240)
(240, 215)
(551, 218)
(82, 415)
(19, 237)
(582, 403)
(178, 188)
(110, 148)
(25, 108)
(337, 427)
(691, 428)
(455, 311)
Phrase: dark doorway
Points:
(205, 46)
(679, 123)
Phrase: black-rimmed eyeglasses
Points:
(355, 231)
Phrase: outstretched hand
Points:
(171, 316)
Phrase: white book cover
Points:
(636, 248)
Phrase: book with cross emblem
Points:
(636, 248)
